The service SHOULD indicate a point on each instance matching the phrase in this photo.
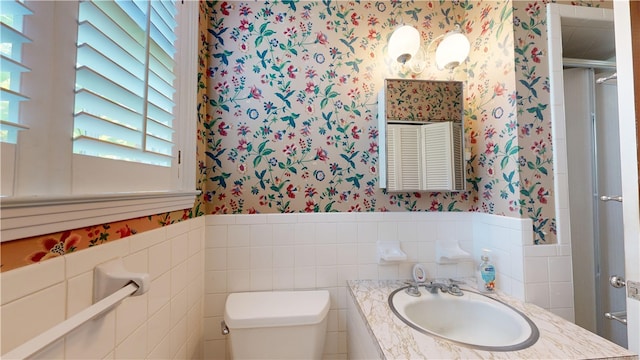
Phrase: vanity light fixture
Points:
(404, 44)
(453, 49)
(407, 55)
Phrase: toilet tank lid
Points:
(275, 308)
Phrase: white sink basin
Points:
(472, 319)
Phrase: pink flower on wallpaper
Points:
(473, 137)
(372, 21)
(355, 132)
(242, 145)
(489, 132)
(291, 32)
(491, 148)
(533, 9)
(224, 8)
(125, 231)
(53, 248)
(485, 27)
(321, 154)
(291, 191)
(468, 28)
(310, 192)
(289, 149)
(321, 38)
(291, 72)
(222, 87)
(222, 128)
(255, 93)
(535, 54)
(244, 25)
(245, 11)
(243, 130)
(369, 190)
(539, 147)
(311, 73)
(354, 19)
(499, 89)
(310, 206)
(485, 12)
(542, 195)
(236, 190)
(310, 88)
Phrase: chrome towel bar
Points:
(619, 316)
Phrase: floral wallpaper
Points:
(419, 100)
(292, 104)
(35, 249)
(292, 89)
(534, 115)
(287, 113)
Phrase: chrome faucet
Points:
(452, 288)
(433, 287)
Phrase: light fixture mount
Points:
(407, 56)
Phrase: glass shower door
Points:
(596, 225)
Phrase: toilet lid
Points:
(275, 308)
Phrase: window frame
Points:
(43, 199)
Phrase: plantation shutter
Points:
(12, 68)
(125, 81)
(403, 157)
(437, 155)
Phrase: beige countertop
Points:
(559, 338)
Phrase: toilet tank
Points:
(277, 324)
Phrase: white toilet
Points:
(277, 325)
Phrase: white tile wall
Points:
(195, 264)
(166, 322)
(313, 251)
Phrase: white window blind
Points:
(12, 68)
(124, 103)
(127, 57)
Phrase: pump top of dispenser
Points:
(485, 254)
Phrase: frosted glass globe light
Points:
(404, 44)
(452, 50)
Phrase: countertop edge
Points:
(567, 346)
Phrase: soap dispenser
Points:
(487, 281)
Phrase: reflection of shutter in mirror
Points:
(403, 156)
(458, 157)
(436, 152)
(392, 159)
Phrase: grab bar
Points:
(601, 80)
(39, 342)
(111, 284)
(620, 316)
(611, 198)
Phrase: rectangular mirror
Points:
(421, 135)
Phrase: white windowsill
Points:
(22, 217)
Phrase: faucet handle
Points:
(413, 288)
(454, 290)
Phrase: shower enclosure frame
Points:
(555, 14)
